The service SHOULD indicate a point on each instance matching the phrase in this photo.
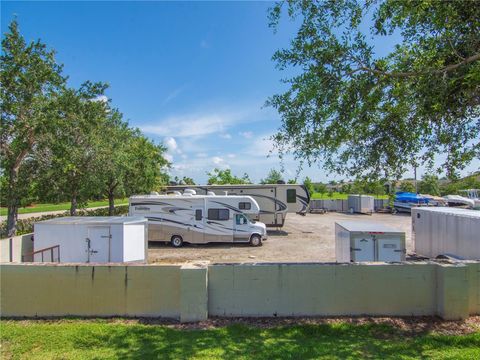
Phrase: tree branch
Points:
(444, 70)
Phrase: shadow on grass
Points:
(306, 341)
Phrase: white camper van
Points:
(199, 219)
(275, 200)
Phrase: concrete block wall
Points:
(322, 289)
(193, 292)
(16, 246)
(82, 290)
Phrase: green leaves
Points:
(360, 114)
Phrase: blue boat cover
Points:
(411, 198)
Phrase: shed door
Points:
(363, 248)
(98, 248)
(390, 249)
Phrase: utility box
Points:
(91, 239)
(363, 204)
(358, 241)
(446, 231)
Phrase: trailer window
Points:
(198, 214)
(218, 214)
(244, 206)
(291, 196)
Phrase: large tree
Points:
(225, 177)
(70, 157)
(30, 80)
(274, 176)
(360, 112)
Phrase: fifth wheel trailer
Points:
(199, 219)
(91, 239)
(358, 241)
(446, 231)
(275, 200)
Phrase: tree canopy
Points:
(273, 177)
(361, 113)
(60, 143)
(225, 177)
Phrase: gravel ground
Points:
(309, 238)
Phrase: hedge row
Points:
(25, 226)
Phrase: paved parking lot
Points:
(309, 238)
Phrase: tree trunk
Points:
(111, 204)
(73, 205)
(12, 218)
(12, 203)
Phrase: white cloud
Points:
(225, 136)
(246, 134)
(171, 144)
(202, 155)
(217, 160)
(101, 98)
(168, 157)
(231, 156)
(205, 122)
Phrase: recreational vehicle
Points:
(275, 200)
(199, 219)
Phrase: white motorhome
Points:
(199, 219)
(275, 200)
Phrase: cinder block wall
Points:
(322, 289)
(82, 290)
(20, 245)
(193, 292)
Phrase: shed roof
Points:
(368, 226)
(94, 220)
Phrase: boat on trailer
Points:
(405, 201)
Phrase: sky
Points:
(193, 76)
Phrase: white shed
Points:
(93, 239)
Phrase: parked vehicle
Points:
(199, 219)
(405, 201)
(459, 201)
(275, 200)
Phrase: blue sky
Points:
(193, 76)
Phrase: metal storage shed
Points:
(91, 239)
(363, 204)
(368, 241)
(446, 231)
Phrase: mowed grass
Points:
(101, 339)
(61, 206)
(340, 196)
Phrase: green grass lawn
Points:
(61, 206)
(339, 196)
(101, 339)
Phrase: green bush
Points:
(25, 226)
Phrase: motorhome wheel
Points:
(176, 241)
(256, 240)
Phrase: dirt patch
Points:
(309, 238)
(408, 326)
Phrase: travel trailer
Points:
(275, 200)
(199, 219)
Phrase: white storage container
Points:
(368, 241)
(92, 239)
(446, 231)
(363, 204)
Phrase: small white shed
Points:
(91, 239)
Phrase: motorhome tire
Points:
(255, 240)
(176, 241)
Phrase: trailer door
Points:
(363, 248)
(198, 230)
(98, 244)
(390, 249)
